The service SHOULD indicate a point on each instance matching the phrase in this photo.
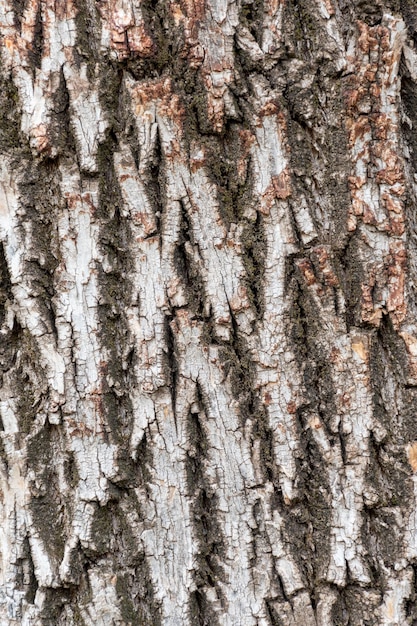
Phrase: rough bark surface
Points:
(208, 312)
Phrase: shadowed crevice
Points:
(209, 534)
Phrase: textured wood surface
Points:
(208, 321)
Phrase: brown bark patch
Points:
(128, 34)
(412, 455)
(360, 349)
(159, 92)
(369, 313)
(324, 261)
(307, 271)
(396, 271)
(281, 184)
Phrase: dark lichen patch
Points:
(3, 455)
(239, 372)
(221, 156)
(320, 388)
(114, 402)
(168, 55)
(35, 54)
(301, 155)
(308, 34)
(200, 611)
(302, 102)
(320, 167)
(409, 120)
(187, 268)
(11, 336)
(60, 130)
(394, 403)
(26, 379)
(66, 606)
(115, 297)
(340, 612)
(110, 198)
(39, 203)
(207, 527)
(170, 58)
(408, 9)
(71, 471)
(411, 274)
(124, 540)
(308, 523)
(53, 606)
(171, 365)
(135, 598)
(389, 487)
(299, 327)
(48, 515)
(40, 199)
(312, 515)
(352, 277)
(127, 608)
(26, 400)
(100, 531)
(274, 613)
(306, 330)
(155, 183)
(88, 34)
(115, 233)
(395, 351)
(294, 534)
(144, 460)
(410, 605)
(43, 448)
(18, 9)
(254, 253)
(134, 587)
(408, 432)
(356, 606)
(313, 95)
(126, 468)
(25, 572)
(370, 11)
(335, 195)
(5, 284)
(159, 23)
(11, 139)
(262, 433)
(251, 16)
(113, 100)
(209, 572)
(78, 597)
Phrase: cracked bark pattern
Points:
(208, 314)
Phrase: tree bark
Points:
(208, 312)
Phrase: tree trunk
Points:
(208, 312)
